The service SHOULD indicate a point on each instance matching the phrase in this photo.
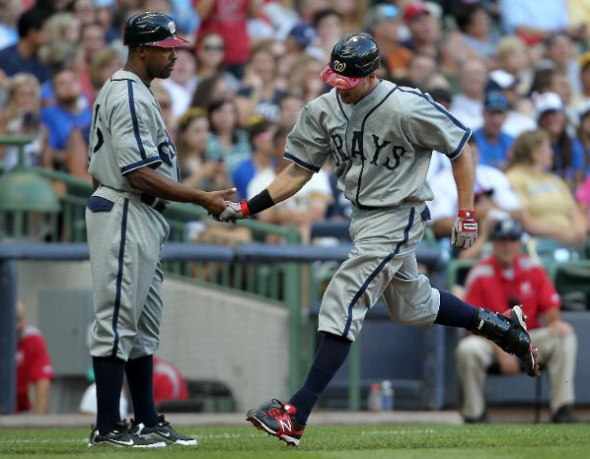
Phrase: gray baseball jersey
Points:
(125, 236)
(381, 148)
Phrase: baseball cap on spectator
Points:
(496, 101)
(547, 102)
(507, 229)
(303, 34)
(503, 79)
(415, 10)
(379, 14)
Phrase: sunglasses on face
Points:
(213, 47)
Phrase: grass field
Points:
(506, 441)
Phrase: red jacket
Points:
(489, 287)
(32, 364)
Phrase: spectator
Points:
(512, 55)
(583, 133)
(382, 23)
(33, 367)
(467, 104)
(182, 82)
(328, 28)
(169, 384)
(475, 24)
(263, 155)
(23, 56)
(10, 11)
(210, 52)
(260, 91)
(493, 143)
(584, 95)
(559, 54)
(304, 78)
(103, 64)
(229, 18)
(421, 69)
(212, 89)
(352, 13)
(549, 209)
(62, 118)
(424, 30)
(195, 170)
(227, 142)
(568, 154)
(505, 279)
(165, 102)
(518, 119)
(290, 106)
(21, 117)
(535, 20)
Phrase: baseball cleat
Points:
(279, 421)
(508, 330)
(122, 437)
(162, 432)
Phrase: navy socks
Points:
(330, 356)
(455, 312)
(140, 377)
(108, 374)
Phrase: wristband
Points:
(466, 213)
(258, 203)
(245, 209)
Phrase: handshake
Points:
(234, 211)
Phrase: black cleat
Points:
(279, 421)
(508, 330)
(162, 432)
(122, 437)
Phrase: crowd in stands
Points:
(516, 73)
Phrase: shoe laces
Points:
(283, 408)
(162, 421)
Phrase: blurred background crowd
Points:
(516, 73)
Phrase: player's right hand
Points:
(232, 212)
(216, 201)
(464, 230)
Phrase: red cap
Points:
(413, 10)
(171, 42)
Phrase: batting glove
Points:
(464, 230)
(234, 211)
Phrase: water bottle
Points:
(375, 402)
(386, 396)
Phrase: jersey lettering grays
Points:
(128, 132)
(381, 146)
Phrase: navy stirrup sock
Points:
(330, 356)
(455, 312)
(108, 374)
(140, 377)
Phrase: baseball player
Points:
(380, 137)
(134, 166)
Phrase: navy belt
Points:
(155, 203)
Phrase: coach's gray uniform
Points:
(125, 235)
(381, 148)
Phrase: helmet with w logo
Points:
(354, 57)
